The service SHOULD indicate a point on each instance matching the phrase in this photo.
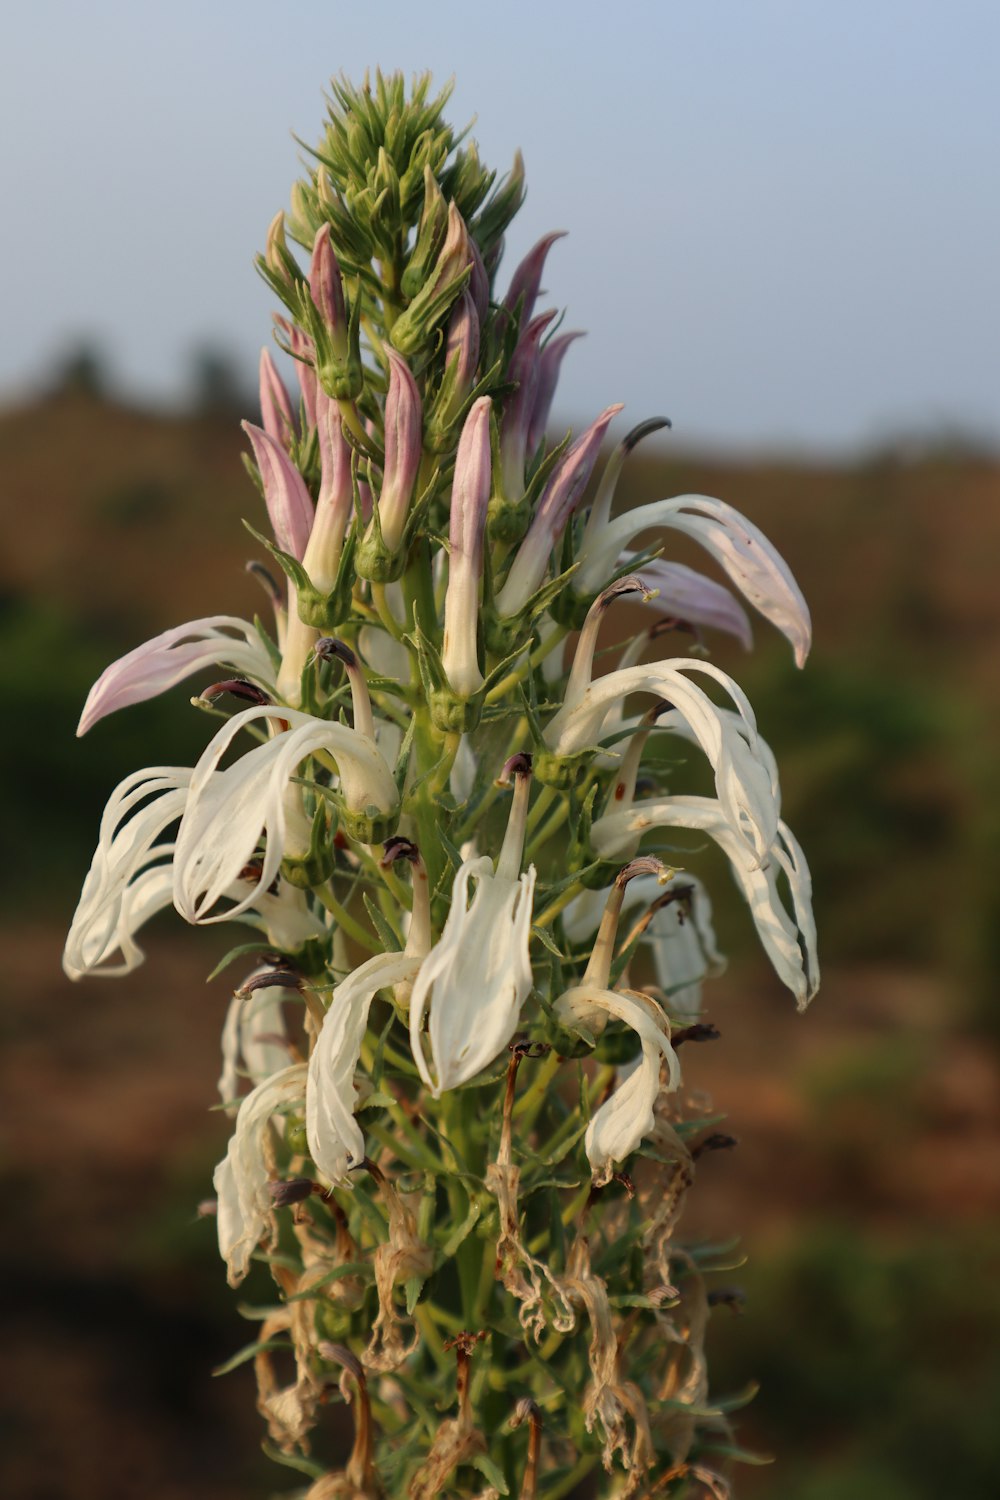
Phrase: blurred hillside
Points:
(866, 1187)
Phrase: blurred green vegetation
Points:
(879, 1366)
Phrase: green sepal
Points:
(323, 611)
(388, 936)
(502, 630)
(314, 868)
(413, 327)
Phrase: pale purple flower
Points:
(549, 365)
(327, 289)
(275, 403)
(159, 664)
(254, 1040)
(523, 371)
(561, 495)
(403, 450)
(470, 498)
(303, 351)
(525, 284)
(743, 551)
(335, 498)
(289, 506)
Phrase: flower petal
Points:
(242, 1176)
(335, 1138)
(160, 663)
(752, 563)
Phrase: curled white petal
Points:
(741, 549)
(692, 597)
(788, 940)
(241, 1177)
(743, 780)
(254, 1042)
(626, 1118)
(335, 1139)
(164, 661)
(129, 877)
(472, 984)
(228, 811)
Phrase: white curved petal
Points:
(129, 873)
(789, 941)
(475, 979)
(241, 1177)
(254, 1043)
(335, 1140)
(742, 779)
(228, 811)
(626, 1118)
(740, 548)
(164, 661)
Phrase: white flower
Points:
(335, 1139)
(168, 658)
(742, 780)
(130, 876)
(626, 1118)
(679, 933)
(228, 811)
(254, 1043)
(472, 984)
(242, 1176)
(788, 940)
(757, 569)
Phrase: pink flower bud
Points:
(303, 351)
(559, 498)
(526, 281)
(548, 378)
(289, 506)
(470, 498)
(403, 450)
(524, 369)
(335, 498)
(275, 404)
(327, 289)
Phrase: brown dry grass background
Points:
(867, 1183)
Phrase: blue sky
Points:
(783, 214)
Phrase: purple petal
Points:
(289, 505)
(168, 658)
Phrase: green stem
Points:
(348, 924)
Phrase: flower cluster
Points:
(461, 1138)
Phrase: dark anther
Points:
(646, 864)
(399, 848)
(283, 979)
(239, 687)
(328, 648)
(714, 1142)
(521, 1049)
(630, 584)
(517, 765)
(292, 1190)
(701, 1031)
(643, 430)
(732, 1297)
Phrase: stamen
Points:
(327, 648)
